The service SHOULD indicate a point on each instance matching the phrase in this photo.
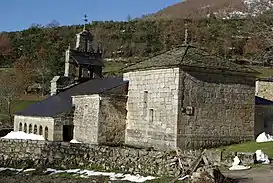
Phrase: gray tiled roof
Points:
(188, 56)
(85, 60)
(62, 102)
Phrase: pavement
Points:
(259, 174)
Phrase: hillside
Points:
(218, 8)
(37, 54)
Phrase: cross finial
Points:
(85, 21)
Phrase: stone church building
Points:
(182, 98)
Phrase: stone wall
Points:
(263, 119)
(152, 108)
(264, 89)
(32, 154)
(60, 120)
(38, 125)
(100, 118)
(215, 109)
(112, 119)
(86, 118)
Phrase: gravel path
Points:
(262, 174)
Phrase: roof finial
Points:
(85, 21)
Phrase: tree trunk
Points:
(9, 111)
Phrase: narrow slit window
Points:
(145, 103)
(151, 115)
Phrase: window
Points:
(145, 103)
(35, 129)
(25, 128)
(30, 128)
(151, 115)
(20, 126)
(46, 133)
(41, 130)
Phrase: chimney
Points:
(67, 58)
(54, 85)
(186, 34)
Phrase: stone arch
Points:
(35, 129)
(46, 133)
(40, 130)
(25, 128)
(30, 128)
(20, 126)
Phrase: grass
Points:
(265, 71)
(21, 104)
(5, 69)
(15, 107)
(266, 147)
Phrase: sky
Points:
(21, 14)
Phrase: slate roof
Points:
(83, 58)
(62, 102)
(262, 101)
(188, 56)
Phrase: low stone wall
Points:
(22, 153)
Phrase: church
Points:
(181, 98)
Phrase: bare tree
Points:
(53, 24)
(8, 92)
(24, 73)
(42, 69)
(5, 44)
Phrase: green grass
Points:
(265, 71)
(113, 67)
(266, 147)
(15, 107)
(5, 69)
(21, 104)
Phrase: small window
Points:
(46, 133)
(25, 128)
(151, 115)
(41, 130)
(30, 128)
(35, 129)
(145, 103)
(20, 126)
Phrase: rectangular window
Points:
(151, 115)
(145, 103)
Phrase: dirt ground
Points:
(262, 174)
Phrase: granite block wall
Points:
(264, 89)
(64, 155)
(152, 108)
(112, 119)
(86, 118)
(215, 109)
(60, 120)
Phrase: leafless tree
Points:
(8, 92)
(5, 44)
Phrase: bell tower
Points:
(84, 39)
